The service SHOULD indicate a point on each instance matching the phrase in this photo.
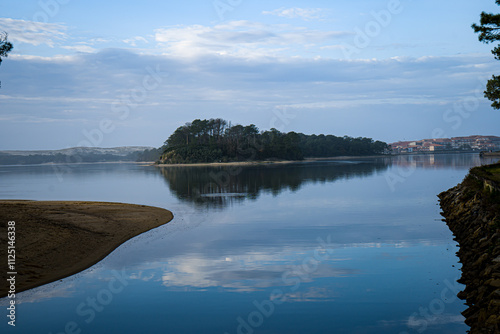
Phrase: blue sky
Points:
(115, 73)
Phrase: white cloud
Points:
(248, 272)
(94, 41)
(35, 33)
(310, 295)
(242, 38)
(133, 41)
(440, 319)
(53, 59)
(80, 48)
(343, 96)
(340, 102)
(307, 14)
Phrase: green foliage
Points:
(489, 31)
(491, 172)
(153, 154)
(492, 91)
(216, 140)
(474, 186)
(5, 45)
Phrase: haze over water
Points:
(354, 246)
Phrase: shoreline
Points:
(57, 239)
(277, 162)
(82, 163)
(472, 212)
(251, 163)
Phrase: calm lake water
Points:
(354, 246)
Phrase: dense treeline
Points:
(216, 140)
(149, 155)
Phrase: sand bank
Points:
(58, 239)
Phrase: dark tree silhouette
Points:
(215, 140)
(489, 32)
(5, 47)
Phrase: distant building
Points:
(476, 143)
(436, 147)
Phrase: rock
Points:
(493, 320)
(494, 283)
(480, 261)
(474, 222)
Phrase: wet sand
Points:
(56, 239)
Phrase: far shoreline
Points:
(250, 163)
(272, 162)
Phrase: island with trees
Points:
(216, 140)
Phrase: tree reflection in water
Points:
(220, 186)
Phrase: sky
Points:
(128, 73)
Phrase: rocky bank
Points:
(472, 212)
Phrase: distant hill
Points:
(74, 154)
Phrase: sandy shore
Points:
(58, 239)
(278, 162)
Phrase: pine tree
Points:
(489, 32)
(5, 47)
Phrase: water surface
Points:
(353, 246)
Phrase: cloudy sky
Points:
(116, 73)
